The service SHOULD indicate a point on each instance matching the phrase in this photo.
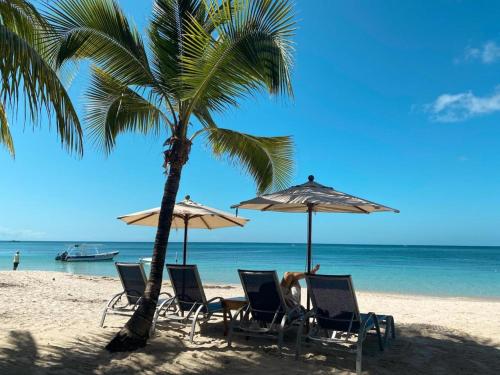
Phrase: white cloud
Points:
(488, 53)
(20, 234)
(462, 106)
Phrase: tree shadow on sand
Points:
(419, 349)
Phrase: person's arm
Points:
(291, 277)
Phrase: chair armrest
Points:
(166, 302)
(114, 299)
(116, 295)
(239, 312)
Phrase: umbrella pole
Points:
(309, 237)
(309, 251)
(184, 254)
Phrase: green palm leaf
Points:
(251, 51)
(114, 108)
(167, 31)
(28, 77)
(5, 136)
(269, 160)
(98, 30)
(22, 18)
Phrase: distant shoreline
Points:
(222, 285)
(253, 242)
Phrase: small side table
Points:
(228, 304)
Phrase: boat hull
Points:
(92, 258)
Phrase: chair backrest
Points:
(263, 293)
(334, 302)
(133, 280)
(187, 285)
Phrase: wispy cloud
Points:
(20, 234)
(462, 106)
(488, 53)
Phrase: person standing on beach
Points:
(16, 260)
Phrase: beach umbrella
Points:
(312, 197)
(187, 214)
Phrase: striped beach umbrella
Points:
(187, 214)
(312, 197)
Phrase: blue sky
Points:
(397, 102)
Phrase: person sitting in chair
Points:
(291, 287)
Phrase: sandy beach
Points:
(49, 325)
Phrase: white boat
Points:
(146, 260)
(85, 253)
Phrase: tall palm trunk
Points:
(135, 333)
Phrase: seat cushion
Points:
(214, 307)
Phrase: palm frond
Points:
(167, 30)
(22, 18)
(113, 108)
(99, 30)
(5, 136)
(204, 117)
(251, 50)
(26, 76)
(166, 33)
(269, 160)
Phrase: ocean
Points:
(427, 270)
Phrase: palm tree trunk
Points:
(135, 333)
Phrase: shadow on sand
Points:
(419, 349)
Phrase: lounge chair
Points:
(189, 305)
(336, 320)
(267, 314)
(133, 280)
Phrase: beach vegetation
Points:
(30, 78)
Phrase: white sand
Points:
(49, 325)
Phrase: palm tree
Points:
(28, 75)
(202, 57)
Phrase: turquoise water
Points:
(433, 270)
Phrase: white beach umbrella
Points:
(187, 214)
(312, 197)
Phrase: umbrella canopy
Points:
(187, 214)
(312, 197)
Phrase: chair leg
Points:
(359, 353)
(281, 332)
(153, 324)
(390, 331)
(193, 325)
(230, 333)
(280, 340)
(103, 316)
(393, 328)
(379, 335)
(298, 344)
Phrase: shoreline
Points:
(223, 285)
(446, 272)
(258, 242)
